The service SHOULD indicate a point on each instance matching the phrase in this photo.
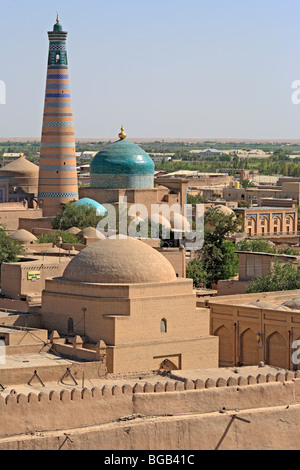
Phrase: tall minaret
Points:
(58, 176)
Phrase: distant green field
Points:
(278, 163)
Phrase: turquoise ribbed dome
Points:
(90, 202)
(122, 164)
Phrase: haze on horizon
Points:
(169, 70)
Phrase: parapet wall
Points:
(74, 408)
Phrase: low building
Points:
(256, 327)
(251, 266)
(269, 221)
(209, 153)
(19, 181)
(126, 294)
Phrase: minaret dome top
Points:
(57, 26)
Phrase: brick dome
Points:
(119, 261)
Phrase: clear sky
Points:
(163, 68)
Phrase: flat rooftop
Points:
(33, 361)
(280, 300)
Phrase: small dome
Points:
(91, 232)
(21, 166)
(57, 27)
(74, 230)
(23, 236)
(54, 250)
(122, 164)
(119, 261)
(90, 202)
(225, 210)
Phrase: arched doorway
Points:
(249, 351)
(277, 351)
(251, 226)
(264, 225)
(277, 225)
(226, 346)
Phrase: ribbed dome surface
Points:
(119, 261)
(122, 164)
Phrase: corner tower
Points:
(58, 176)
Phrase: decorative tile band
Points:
(59, 155)
(58, 145)
(57, 104)
(57, 47)
(58, 168)
(58, 123)
(114, 181)
(66, 181)
(56, 76)
(58, 195)
(58, 86)
(57, 95)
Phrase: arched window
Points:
(57, 57)
(70, 326)
(163, 326)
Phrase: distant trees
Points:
(10, 250)
(280, 277)
(81, 216)
(217, 260)
(246, 183)
(256, 245)
(52, 237)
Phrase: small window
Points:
(163, 326)
(288, 222)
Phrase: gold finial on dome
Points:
(21, 154)
(57, 18)
(122, 134)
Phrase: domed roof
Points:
(224, 209)
(23, 236)
(91, 232)
(54, 250)
(119, 261)
(58, 25)
(123, 159)
(74, 230)
(90, 202)
(21, 166)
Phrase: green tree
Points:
(256, 245)
(81, 216)
(196, 270)
(280, 277)
(52, 237)
(247, 184)
(217, 260)
(10, 250)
